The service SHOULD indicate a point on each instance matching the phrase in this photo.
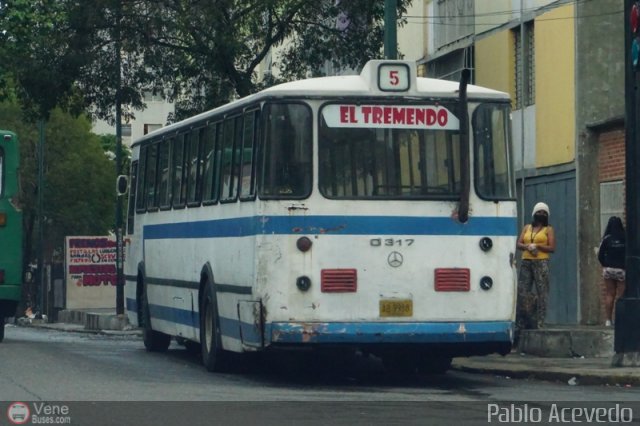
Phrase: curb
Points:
(620, 378)
(79, 328)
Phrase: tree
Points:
(79, 178)
(206, 52)
(42, 54)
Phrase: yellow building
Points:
(527, 50)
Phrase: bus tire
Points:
(1, 327)
(154, 341)
(214, 358)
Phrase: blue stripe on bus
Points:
(342, 225)
(228, 327)
(396, 332)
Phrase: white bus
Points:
(375, 212)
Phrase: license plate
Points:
(396, 308)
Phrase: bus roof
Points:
(365, 85)
(355, 85)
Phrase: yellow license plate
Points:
(396, 308)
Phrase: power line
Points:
(504, 12)
(429, 20)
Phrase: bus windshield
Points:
(1, 171)
(389, 152)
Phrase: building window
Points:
(450, 66)
(126, 130)
(148, 128)
(611, 202)
(525, 63)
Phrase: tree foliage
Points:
(79, 178)
(205, 52)
(42, 53)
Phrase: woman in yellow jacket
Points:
(536, 241)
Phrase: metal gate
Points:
(559, 192)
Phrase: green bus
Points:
(10, 228)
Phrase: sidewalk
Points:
(571, 371)
(575, 355)
(97, 321)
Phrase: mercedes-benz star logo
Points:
(395, 259)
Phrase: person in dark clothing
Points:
(611, 255)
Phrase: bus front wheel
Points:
(154, 341)
(214, 357)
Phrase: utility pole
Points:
(119, 230)
(41, 281)
(627, 331)
(522, 132)
(390, 29)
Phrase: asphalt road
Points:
(93, 374)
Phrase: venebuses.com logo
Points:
(18, 413)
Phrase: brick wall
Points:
(611, 167)
(611, 156)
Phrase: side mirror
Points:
(122, 184)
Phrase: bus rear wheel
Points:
(154, 341)
(214, 358)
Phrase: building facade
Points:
(563, 66)
(153, 117)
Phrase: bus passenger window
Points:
(227, 184)
(194, 168)
(177, 169)
(1, 171)
(247, 185)
(151, 176)
(286, 155)
(209, 163)
(164, 186)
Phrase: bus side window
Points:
(286, 155)
(177, 169)
(229, 162)
(247, 186)
(209, 151)
(151, 177)
(1, 171)
(164, 176)
(194, 182)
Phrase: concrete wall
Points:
(599, 106)
(412, 37)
